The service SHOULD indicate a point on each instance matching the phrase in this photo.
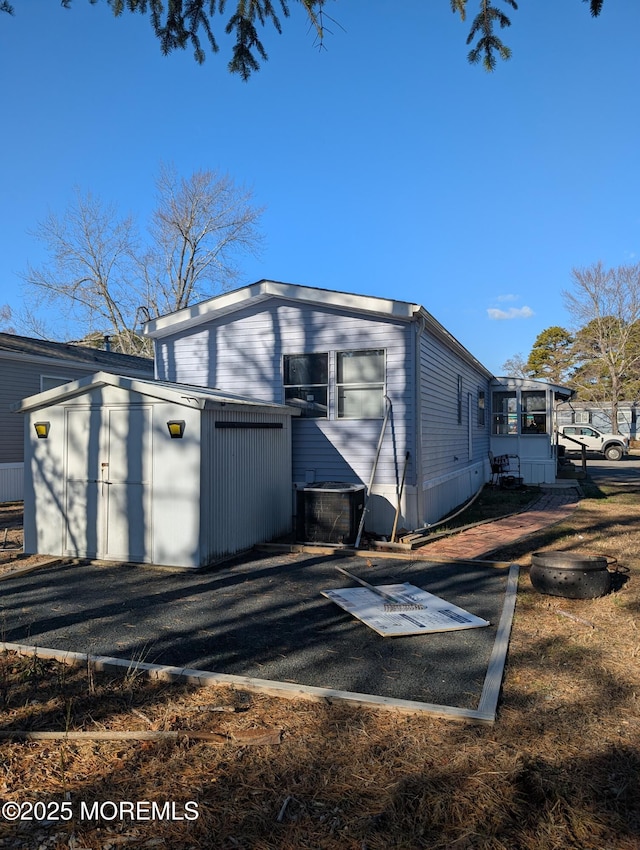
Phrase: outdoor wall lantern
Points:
(42, 429)
(176, 428)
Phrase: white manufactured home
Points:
(346, 362)
(126, 469)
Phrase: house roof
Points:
(24, 347)
(230, 302)
(560, 391)
(183, 394)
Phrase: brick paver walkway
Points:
(479, 542)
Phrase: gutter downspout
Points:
(417, 454)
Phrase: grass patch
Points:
(492, 503)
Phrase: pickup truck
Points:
(612, 446)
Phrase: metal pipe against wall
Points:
(387, 413)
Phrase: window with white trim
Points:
(582, 417)
(504, 413)
(306, 379)
(533, 418)
(360, 384)
(623, 417)
(48, 382)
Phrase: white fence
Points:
(11, 482)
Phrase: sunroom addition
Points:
(523, 422)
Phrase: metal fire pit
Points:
(570, 574)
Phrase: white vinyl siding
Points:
(453, 458)
(243, 353)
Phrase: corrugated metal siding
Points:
(246, 493)
(242, 353)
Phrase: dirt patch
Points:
(558, 770)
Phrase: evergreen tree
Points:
(552, 356)
(179, 24)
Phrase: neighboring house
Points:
(599, 416)
(29, 366)
(345, 361)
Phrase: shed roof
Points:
(183, 394)
(262, 290)
(24, 347)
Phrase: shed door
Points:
(108, 482)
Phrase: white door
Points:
(108, 483)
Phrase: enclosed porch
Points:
(523, 425)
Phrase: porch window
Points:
(306, 377)
(360, 384)
(533, 412)
(504, 413)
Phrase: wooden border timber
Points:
(485, 713)
(400, 555)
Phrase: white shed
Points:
(142, 471)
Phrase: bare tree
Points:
(605, 307)
(200, 227)
(101, 277)
(88, 283)
(5, 317)
(516, 367)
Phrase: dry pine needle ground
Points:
(560, 769)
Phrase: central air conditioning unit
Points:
(329, 512)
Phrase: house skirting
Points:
(440, 496)
(420, 506)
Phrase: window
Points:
(481, 419)
(582, 417)
(360, 384)
(504, 411)
(580, 432)
(305, 383)
(533, 418)
(48, 382)
(459, 399)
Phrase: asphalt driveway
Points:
(263, 616)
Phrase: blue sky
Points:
(387, 164)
